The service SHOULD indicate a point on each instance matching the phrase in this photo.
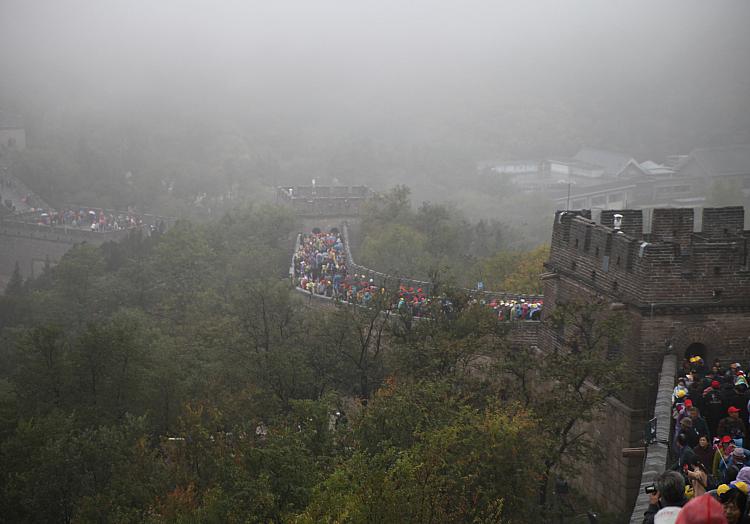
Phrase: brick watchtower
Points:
(678, 287)
(324, 207)
(680, 291)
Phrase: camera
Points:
(651, 488)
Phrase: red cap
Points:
(688, 403)
(733, 409)
(715, 384)
(726, 439)
(704, 510)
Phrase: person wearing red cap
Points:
(702, 510)
(733, 426)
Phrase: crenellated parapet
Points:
(672, 264)
(338, 201)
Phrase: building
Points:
(684, 181)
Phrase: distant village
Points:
(600, 179)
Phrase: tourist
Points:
(733, 426)
(670, 492)
(704, 452)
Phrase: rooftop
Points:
(611, 161)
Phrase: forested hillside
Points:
(176, 378)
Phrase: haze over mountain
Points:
(488, 79)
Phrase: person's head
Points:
(733, 412)
(686, 423)
(733, 500)
(738, 455)
(693, 412)
(671, 488)
(726, 442)
(702, 510)
(703, 441)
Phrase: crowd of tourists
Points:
(87, 218)
(321, 268)
(711, 462)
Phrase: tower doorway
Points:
(696, 349)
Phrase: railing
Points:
(57, 233)
(657, 453)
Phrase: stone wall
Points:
(657, 452)
(613, 484)
(32, 246)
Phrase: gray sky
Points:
(679, 68)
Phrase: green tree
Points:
(425, 456)
(43, 369)
(397, 250)
(528, 268)
(77, 283)
(568, 387)
(15, 284)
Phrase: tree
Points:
(358, 337)
(77, 280)
(568, 387)
(396, 249)
(43, 375)
(15, 284)
(528, 268)
(453, 346)
(426, 456)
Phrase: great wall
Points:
(682, 284)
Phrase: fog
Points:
(476, 79)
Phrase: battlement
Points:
(672, 263)
(343, 201)
(295, 192)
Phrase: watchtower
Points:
(324, 206)
(680, 290)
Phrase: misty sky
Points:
(374, 67)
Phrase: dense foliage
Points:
(436, 242)
(176, 378)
